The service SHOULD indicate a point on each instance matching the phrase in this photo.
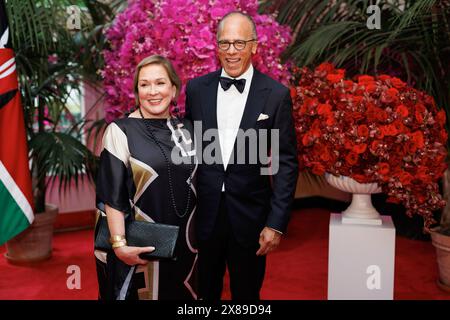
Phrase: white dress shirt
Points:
(230, 108)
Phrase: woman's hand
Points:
(130, 255)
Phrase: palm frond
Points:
(412, 41)
(51, 61)
(33, 24)
(61, 157)
(311, 49)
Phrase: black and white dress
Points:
(133, 178)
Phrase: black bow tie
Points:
(226, 83)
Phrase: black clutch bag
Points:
(142, 234)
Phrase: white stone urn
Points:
(361, 210)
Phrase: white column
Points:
(361, 260)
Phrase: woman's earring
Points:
(175, 108)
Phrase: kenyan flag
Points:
(16, 212)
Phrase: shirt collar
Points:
(247, 75)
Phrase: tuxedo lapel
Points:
(257, 98)
(209, 111)
(209, 101)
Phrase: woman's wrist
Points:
(116, 237)
(119, 244)
(117, 241)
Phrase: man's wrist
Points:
(277, 231)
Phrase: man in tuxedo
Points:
(242, 213)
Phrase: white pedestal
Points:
(377, 222)
(361, 260)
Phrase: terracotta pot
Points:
(36, 242)
(442, 244)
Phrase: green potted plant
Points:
(51, 63)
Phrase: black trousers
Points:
(245, 268)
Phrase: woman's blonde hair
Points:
(166, 64)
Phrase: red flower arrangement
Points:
(372, 129)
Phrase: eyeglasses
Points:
(238, 44)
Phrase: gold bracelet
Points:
(116, 238)
(118, 244)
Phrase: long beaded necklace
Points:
(151, 134)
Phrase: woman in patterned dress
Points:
(138, 179)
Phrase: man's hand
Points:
(269, 240)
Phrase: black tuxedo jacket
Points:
(253, 200)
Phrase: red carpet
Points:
(297, 271)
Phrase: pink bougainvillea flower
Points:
(184, 31)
